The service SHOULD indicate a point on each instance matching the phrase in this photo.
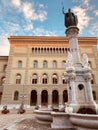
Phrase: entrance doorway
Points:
(44, 98)
(55, 98)
(33, 100)
(65, 96)
(0, 97)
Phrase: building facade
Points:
(34, 70)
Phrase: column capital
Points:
(72, 31)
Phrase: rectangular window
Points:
(44, 81)
(64, 81)
(18, 81)
(34, 81)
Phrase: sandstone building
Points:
(34, 70)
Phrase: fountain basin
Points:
(84, 121)
(61, 120)
(43, 116)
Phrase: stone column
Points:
(72, 33)
(39, 99)
(49, 100)
(60, 99)
(73, 92)
(89, 91)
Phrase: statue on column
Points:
(70, 18)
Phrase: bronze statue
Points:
(70, 18)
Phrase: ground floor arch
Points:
(44, 97)
(33, 98)
(55, 97)
(0, 97)
(65, 96)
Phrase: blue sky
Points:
(44, 18)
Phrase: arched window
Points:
(54, 64)
(59, 50)
(35, 50)
(19, 64)
(18, 79)
(63, 64)
(53, 50)
(56, 50)
(3, 80)
(47, 50)
(45, 64)
(34, 79)
(32, 50)
(65, 96)
(44, 50)
(0, 96)
(35, 64)
(41, 50)
(63, 50)
(4, 68)
(94, 95)
(54, 79)
(44, 79)
(63, 80)
(38, 50)
(66, 50)
(50, 50)
(92, 79)
(90, 64)
(16, 95)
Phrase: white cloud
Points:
(85, 2)
(83, 18)
(17, 3)
(75, 0)
(41, 5)
(96, 12)
(4, 47)
(40, 32)
(12, 27)
(42, 15)
(95, 26)
(29, 11)
(28, 27)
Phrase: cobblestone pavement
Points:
(28, 124)
(26, 121)
(8, 119)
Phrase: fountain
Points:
(81, 110)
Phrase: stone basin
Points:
(61, 121)
(84, 121)
(43, 116)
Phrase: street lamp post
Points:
(21, 108)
